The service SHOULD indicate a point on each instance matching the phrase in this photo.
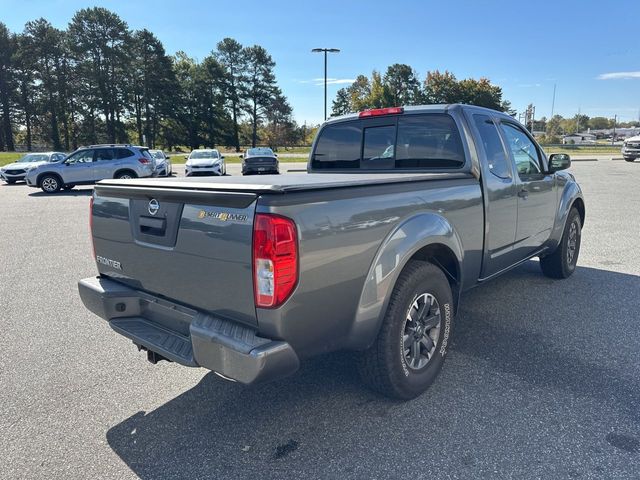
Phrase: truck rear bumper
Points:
(188, 336)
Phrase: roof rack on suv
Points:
(110, 145)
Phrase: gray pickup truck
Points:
(400, 211)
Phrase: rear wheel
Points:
(629, 159)
(125, 175)
(50, 184)
(562, 262)
(409, 351)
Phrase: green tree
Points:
(261, 87)
(599, 123)
(152, 77)
(403, 86)
(42, 45)
(359, 93)
(341, 104)
(232, 57)
(581, 121)
(441, 88)
(99, 41)
(481, 93)
(8, 46)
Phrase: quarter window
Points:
(123, 153)
(338, 147)
(524, 151)
(497, 160)
(428, 141)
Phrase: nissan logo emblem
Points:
(154, 206)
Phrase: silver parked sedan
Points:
(16, 171)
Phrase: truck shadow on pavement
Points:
(82, 192)
(554, 343)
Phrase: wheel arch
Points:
(44, 174)
(437, 242)
(571, 196)
(120, 171)
(578, 203)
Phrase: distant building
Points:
(583, 138)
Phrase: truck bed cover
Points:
(277, 183)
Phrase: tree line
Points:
(400, 85)
(100, 82)
(558, 125)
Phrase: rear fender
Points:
(396, 250)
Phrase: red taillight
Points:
(144, 160)
(376, 112)
(275, 259)
(93, 246)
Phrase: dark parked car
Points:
(402, 209)
(260, 160)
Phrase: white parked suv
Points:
(16, 171)
(631, 148)
(207, 161)
(87, 165)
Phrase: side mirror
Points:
(167, 157)
(559, 161)
(186, 157)
(275, 154)
(222, 157)
(242, 155)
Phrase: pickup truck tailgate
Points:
(188, 245)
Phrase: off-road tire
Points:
(560, 263)
(384, 366)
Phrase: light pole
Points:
(325, 50)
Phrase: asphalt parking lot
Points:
(542, 379)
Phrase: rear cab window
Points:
(428, 141)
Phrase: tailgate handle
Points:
(153, 226)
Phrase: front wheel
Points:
(562, 262)
(629, 159)
(409, 351)
(50, 184)
(10, 181)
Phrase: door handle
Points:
(524, 193)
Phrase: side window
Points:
(103, 154)
(493, 148)
(123, 153)
(523, 150)
(378, 147)
(428, 141)
(338, 147)
(84, 156)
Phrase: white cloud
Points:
(330, 81)
(618, 76)
(529, 85)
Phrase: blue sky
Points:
(590, 50)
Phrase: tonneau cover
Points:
(279, 183)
